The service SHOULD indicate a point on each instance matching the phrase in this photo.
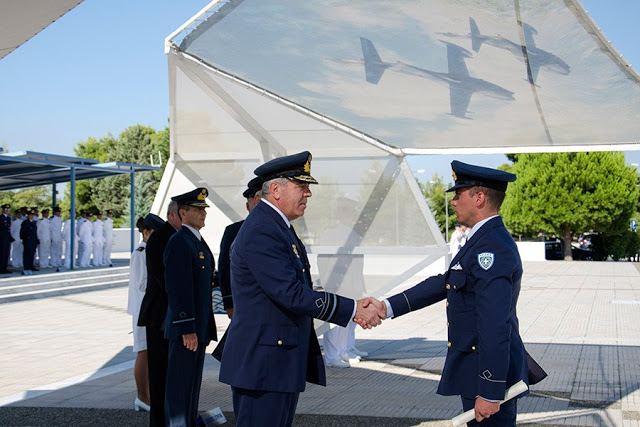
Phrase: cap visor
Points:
(463, 185)
(199, 204)
(305, 178)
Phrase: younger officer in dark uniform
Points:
(486, 354)
(5, 239)
(29, 236)
(252, 194)
(189, 326)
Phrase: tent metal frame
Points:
(30, 169)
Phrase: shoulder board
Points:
(141, 248)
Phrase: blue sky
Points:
(102, 67)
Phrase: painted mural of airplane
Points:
(538, 58)
(461, 85)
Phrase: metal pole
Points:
(133, 209)
(72, 219)
(53, 196)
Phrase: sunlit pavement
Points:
(580, 320)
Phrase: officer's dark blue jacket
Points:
(224, 262)
(271, 344)
(189, 267)
(486, 354)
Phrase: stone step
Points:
(45, 285)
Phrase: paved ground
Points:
(67, 360)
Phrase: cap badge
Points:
(203, 194)
(307, 165)
(455, 177)
(295, 250)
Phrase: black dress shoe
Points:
(35, 269)
(5, 272)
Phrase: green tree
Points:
(39, 197)
(569, 193)
(136, 144)
(435, 193)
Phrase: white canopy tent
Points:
(21, 20)
(361, 84)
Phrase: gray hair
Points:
(267, 184)
(172, 207)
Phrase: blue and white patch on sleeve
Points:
(485, 259)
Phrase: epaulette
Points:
(141, 248)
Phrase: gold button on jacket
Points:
(279, 342)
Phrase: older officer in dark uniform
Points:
(189, 325)
(486, 354)
(271, 347)
(153, 312)
(29, 236)
(252, 194)
(5, 238)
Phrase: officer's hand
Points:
(230, 312)
(484, 408)
(190, 341)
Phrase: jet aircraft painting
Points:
(538, 58)
(461, 85)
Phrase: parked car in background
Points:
(591, 247)
(553, 249)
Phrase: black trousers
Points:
(28, 255)
(505, 417)
(157, 355)
(254, 408)
(5, 251)
(184, 378)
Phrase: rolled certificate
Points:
(513, 391)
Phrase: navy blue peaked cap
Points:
(153, 221)
(294, 166)
(253, 187)
(195, 198)
(466, 175)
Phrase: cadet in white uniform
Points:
(97, 230)
(108, 238)
(85, 240)
(55, 226)
(66, 234)
(44, 239)
(16, 246)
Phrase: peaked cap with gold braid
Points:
(294, 166)
(197, 198)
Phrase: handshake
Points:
(370, 312)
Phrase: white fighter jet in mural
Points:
(538, 58)
(461, 85)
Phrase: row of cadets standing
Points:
(50, 235)
(95, 237)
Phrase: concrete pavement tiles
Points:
(580, 321)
